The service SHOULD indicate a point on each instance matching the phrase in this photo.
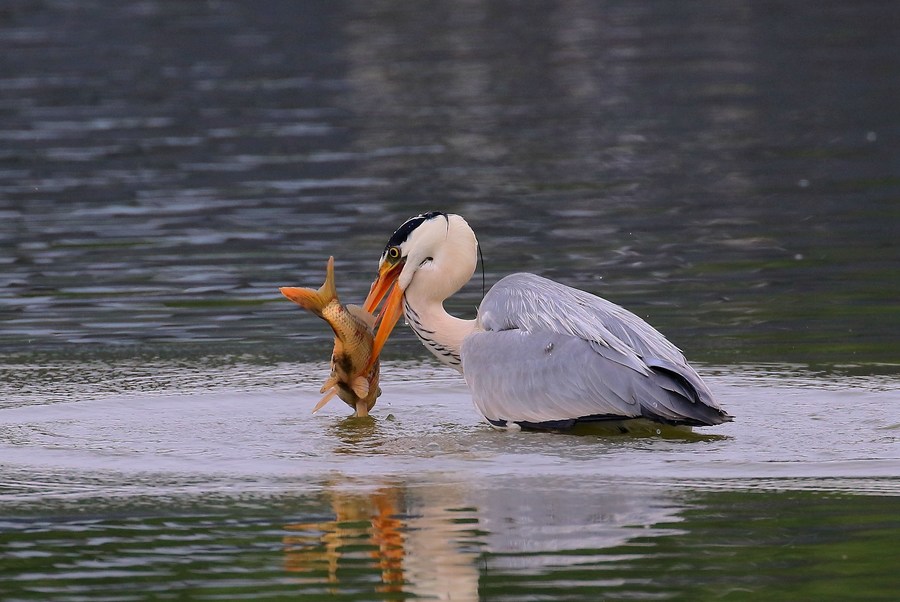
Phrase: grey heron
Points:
(539, 354)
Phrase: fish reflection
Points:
(429, 553)
(361, 521)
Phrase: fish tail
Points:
(314, 301)
(328, 290)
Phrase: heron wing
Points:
(546, 353)
(533, 303)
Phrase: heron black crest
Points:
(403, 232)
(481, 257)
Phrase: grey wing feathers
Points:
(531, 302)
(548, 352)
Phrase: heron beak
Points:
(392, 309)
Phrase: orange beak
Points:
(393, 307)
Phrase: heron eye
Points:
(393, 253)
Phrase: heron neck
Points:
(442, 266)
(440, 332)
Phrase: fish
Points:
(354, 372)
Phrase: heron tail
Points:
(681, 398)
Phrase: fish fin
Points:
(360, 386)
(331, 382)
(328, 290)
(325, 400)
(314, 301)
(365, 317)
(362, 410)
(306, 298)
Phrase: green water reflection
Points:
(402, 540)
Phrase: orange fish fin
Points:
(314, 301)
(361, 386)
(325, 400)
(328, 290)
(365, 317)
(331, 382)
(306, 298)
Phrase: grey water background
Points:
(730, 171)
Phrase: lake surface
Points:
(728, 171)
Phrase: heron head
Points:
(411, 247)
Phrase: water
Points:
(728, 172)
(233, 489)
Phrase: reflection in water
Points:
(358, 435)
(196, 486)
(361, 521)
(515, 539)
(427, 551)
(441, 540)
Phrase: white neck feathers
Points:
(442, 258)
